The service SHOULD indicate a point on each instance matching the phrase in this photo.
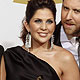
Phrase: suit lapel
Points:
(57, 34)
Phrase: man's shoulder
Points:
(57, 34)
(58, 27)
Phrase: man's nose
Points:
(69, 15)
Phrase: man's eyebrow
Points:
(65, 6)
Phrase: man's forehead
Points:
(73, 3)
(69, 0)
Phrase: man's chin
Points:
(77, 34)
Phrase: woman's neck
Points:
(39, 46)
(35, 46)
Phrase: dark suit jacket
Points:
(1, 52)
(57, 35)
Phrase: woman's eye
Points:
(49, 21)
(38, 21)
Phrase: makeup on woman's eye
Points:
(38, 21)
(49, 21)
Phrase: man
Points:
(69, 28)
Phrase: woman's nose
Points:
(43, 26)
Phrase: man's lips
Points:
(69, 24)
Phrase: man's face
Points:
(70, 17)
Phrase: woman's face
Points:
(42, 25)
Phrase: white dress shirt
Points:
(70, 45)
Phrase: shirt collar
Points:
(65, 39)
(73, 41)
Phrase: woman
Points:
(1, 52)
(38, 58)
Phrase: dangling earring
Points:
(28, 41)
(52, 40)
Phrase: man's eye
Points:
(77, 11)
(65, 8)
(49, 21)
(38, 21)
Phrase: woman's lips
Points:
(42, 34)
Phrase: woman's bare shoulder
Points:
(63, 53)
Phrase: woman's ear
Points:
(26, 25)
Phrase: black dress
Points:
(22, 65)
(1, 52)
